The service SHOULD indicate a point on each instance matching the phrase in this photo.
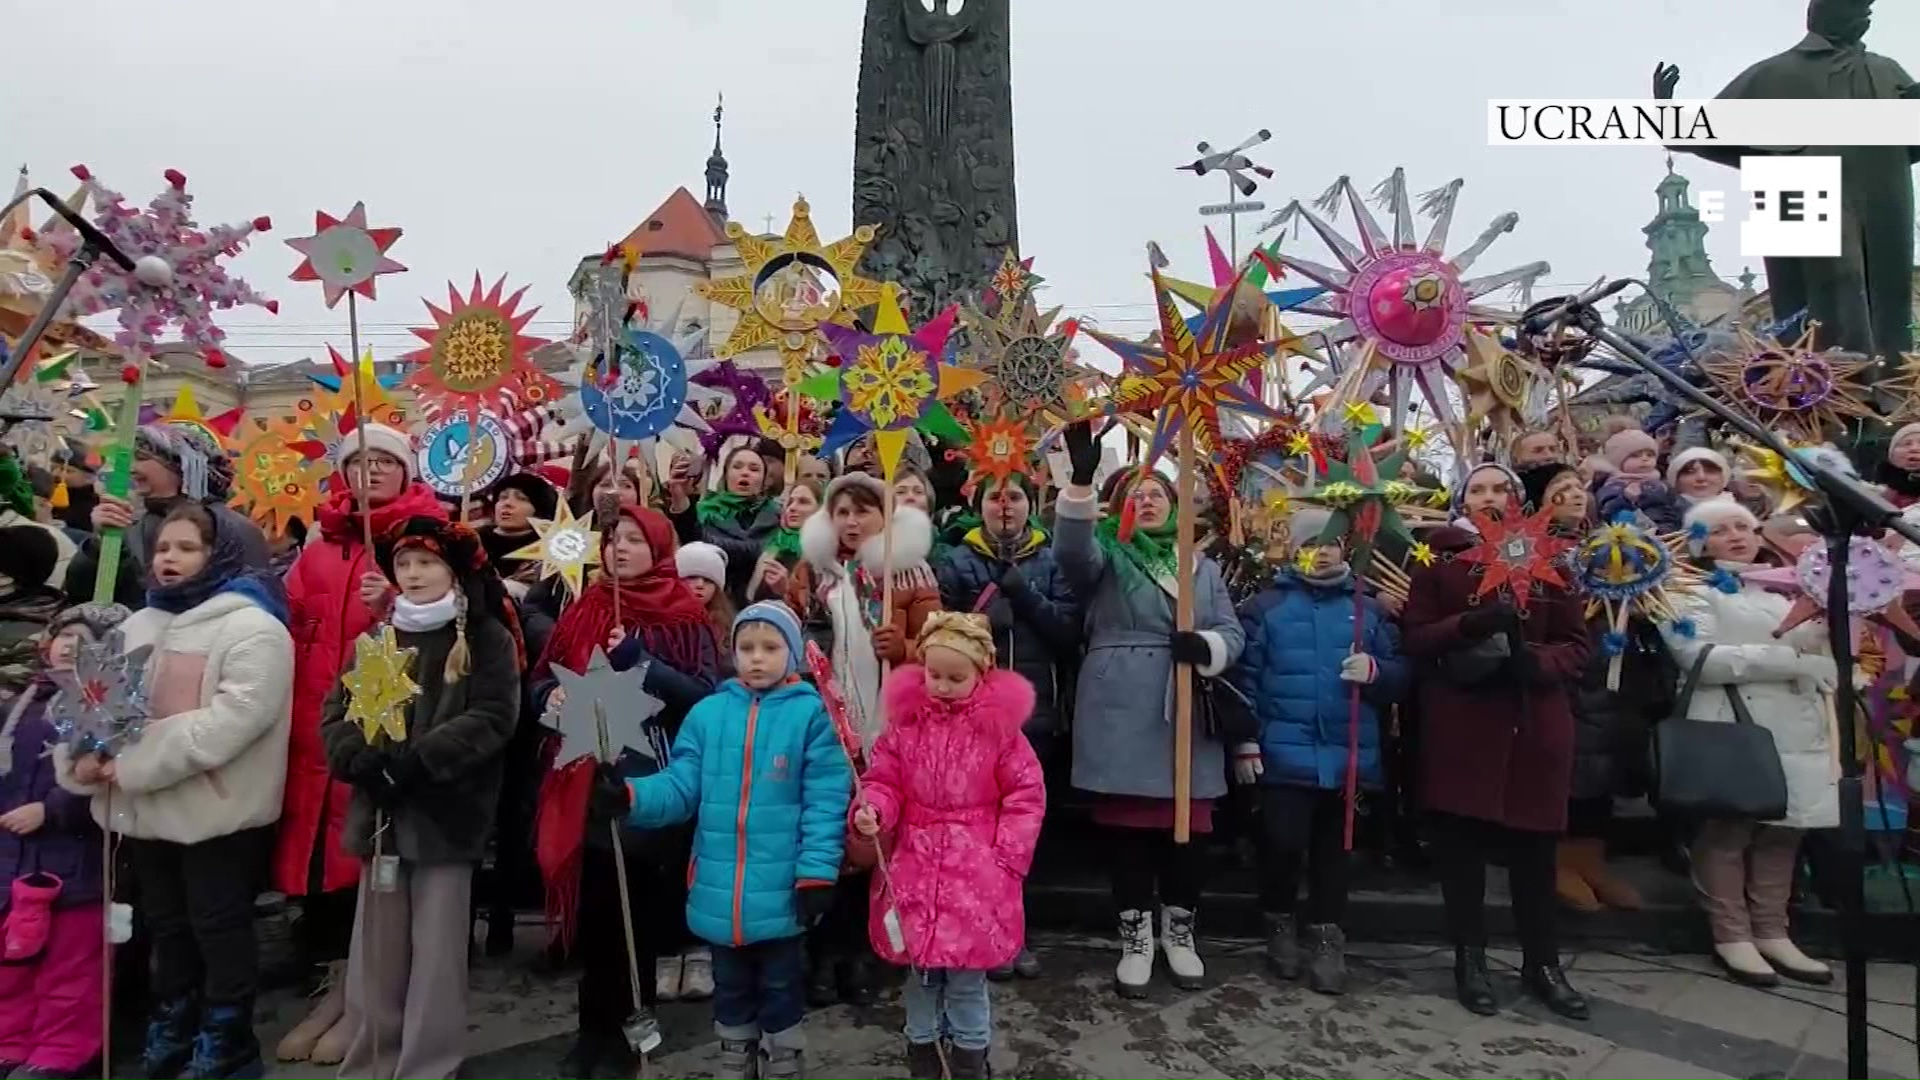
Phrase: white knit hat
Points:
(387, 440)
(702, 560)
(1710, 512)
(1691, 454)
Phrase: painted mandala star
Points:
(477, 358)
(567, 546)
(1025, 353)
(378, 686)
(344, 255)
(278, 474)
(1802, 394)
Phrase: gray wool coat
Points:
(1123, 711)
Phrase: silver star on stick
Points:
(101, 706)
(616, 695)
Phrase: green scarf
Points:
(725, 506)
(16, 493)
(784, 544)
(1148, 556)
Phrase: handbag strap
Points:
(1741, 714)
(1693, 681)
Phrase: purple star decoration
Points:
(177, 278)
(748, 391)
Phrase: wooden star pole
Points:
(1183, 620)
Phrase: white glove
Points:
(1359, 668)
(1820, 671)
(1247, 766)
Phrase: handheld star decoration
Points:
(477, 357)
(590, 697)
(1629, 571)
(1515, 552)
(998, 449)
(344, 255)
(1024, 353)
(101, 705)
(1877, 579)
(278, 472)
(891, 381)
(378, 686)
(1186, 377)
(330, 416)
(567, 546)
(1365, 506)
(1802, 394)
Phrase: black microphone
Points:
(93, 237)
(1557, 311)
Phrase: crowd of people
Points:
(781, 840)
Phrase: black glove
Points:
(810, 902)
(1489, 619)
(1083, 451)
(611, 798)
(367, 770)
(1189, 648)
(1000, 614)
(1012, 581)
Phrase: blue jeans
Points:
(758, 989)
(950, 1003)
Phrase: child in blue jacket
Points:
(1299, 670)
(760, 771)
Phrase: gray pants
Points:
(1743, 871)
(407, 975)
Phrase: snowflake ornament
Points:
(177, 278)
(101, 705)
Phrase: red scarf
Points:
(339, 516)
(673, 625)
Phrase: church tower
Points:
(716, 204)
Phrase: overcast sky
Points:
(514, 137)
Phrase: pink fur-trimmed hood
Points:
(1004, 698)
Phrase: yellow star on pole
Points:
(1303, 559)
(378, 686)
(1300, 445)
(1417, 438)
(1361, 414)
(567, 546)
(1422, 553)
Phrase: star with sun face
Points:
(566, 547)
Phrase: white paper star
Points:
(620, 699)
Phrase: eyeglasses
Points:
(378, 463)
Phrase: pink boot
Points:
(29, 917)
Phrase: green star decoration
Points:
(378, 686)
(1365, 507)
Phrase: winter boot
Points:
(1591, 863)
(1568, 884)
(1471, 983)
(856, 978)
(299, 1043)
(1176, 941)
(226, 1048)
(965, 1064)
(170, 1038)
(1549, 984)
(1744, 964)
(924, 1062)
(739, 1057)
(1327, 965)
(1026, 965)
(823, 989)
(1283, 945)
(667, 972)
(783, 1054)
(1787, 959)
(1136, 954)
(29, 917)
(583, 1058)
(696, 975)
(500, 923)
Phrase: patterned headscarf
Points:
(206, 472)
(967, 634)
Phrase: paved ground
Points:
(1653, 1017)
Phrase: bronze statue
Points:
(933, 147)
(1863, 299)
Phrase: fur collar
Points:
(912, 543)
(1003, 700)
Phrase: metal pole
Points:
(1233, 224)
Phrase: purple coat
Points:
(68, 845)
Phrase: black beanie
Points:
(1534, 482)
(28, 554)
(541, 494)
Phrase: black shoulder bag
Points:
(1709, 769)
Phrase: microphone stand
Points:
(1851, 507)
(93, 244)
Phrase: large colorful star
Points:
(378, 687)
(279, 472)
(1804, 394)
(477, 357)
(344, 255)
(1366, 497)
(891, 381)
(1025, 353)
(177, 279)
(1516, 551)
(1186, 378)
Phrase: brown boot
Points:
(1568, 884)
(1591, 862)
(327, 1010)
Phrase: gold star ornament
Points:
(567, 546)
(378, 686)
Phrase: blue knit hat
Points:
(781, 618)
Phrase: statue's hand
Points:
(1665, 78)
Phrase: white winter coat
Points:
(1772, 677)
(213, 759)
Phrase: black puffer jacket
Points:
(1612, 727)
(1036, 619)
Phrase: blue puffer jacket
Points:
(765, 781)
(1297, 635)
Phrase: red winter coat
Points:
(960, 798)
(326, 615)
(1501, 751)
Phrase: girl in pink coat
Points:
(954, 796)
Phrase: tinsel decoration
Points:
(101, 705)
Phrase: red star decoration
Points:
(1515, 551)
